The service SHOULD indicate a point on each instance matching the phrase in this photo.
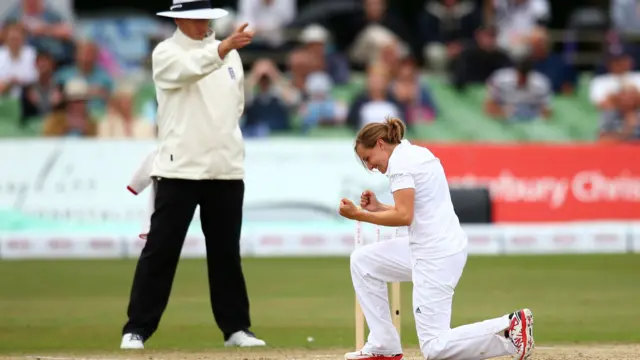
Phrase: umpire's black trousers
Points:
(221, 204)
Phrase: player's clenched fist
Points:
(368, 201)
(239, 39)
(348, 209)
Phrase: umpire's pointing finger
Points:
(242, 27)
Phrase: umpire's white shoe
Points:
(521, 333)
(132, 342)
(243, 339)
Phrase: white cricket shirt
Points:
(435, 231)
(200, 101)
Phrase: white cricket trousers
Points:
(434, 281)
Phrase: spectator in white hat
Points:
(317, 40)
(73, 118)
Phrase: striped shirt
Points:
(528, 101)
(614, 122)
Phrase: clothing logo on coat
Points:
(418, 311)
(232, 73)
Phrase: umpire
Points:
(199, 87)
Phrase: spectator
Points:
(73, 119)
(622, 122)
(87, 68)
(444, 29)
(414, 96)
(562, 75)
(300, 64)
(519, 93)
(320, 109)
(603, 87)
(47, 29)
(478, 61)
(515, 19)
(376, 29)
(376, 103)
(120, 122)
(268, 18)
(44, 95)
(290, 89)
(315, 40)
(17, 62)
(390, 57)
(265, 111)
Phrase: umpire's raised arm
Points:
(174, 67)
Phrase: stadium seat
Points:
(9, 109)
(146, 92)
(331, 132)
(437, 131)
(9, 117)
(465, 113)
(541, 130)
(577, 117)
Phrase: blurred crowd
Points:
(63, 82)
(67, 85)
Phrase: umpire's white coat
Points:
(200, 102)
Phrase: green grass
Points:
(81, 305)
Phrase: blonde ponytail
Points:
(391, 131)
(395, 130)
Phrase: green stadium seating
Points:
(578, 118)
(464, 112)
(10, 118)
(331, 132)
(540, 130)
(439, 131)
(9, 109)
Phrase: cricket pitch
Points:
(570, 352)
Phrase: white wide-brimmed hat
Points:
(193, 9)
(314, 33)
(76, 89)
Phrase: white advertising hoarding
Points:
(74, 192)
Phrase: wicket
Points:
(395, 296)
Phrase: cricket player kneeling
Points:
(432, 256)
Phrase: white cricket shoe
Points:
(243, 339)
(365, 355)
(132, 342)
(521, 333)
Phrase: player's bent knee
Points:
(356, 259)
(362, 256)
(432, 349)
(361, 262)
(364, 261)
